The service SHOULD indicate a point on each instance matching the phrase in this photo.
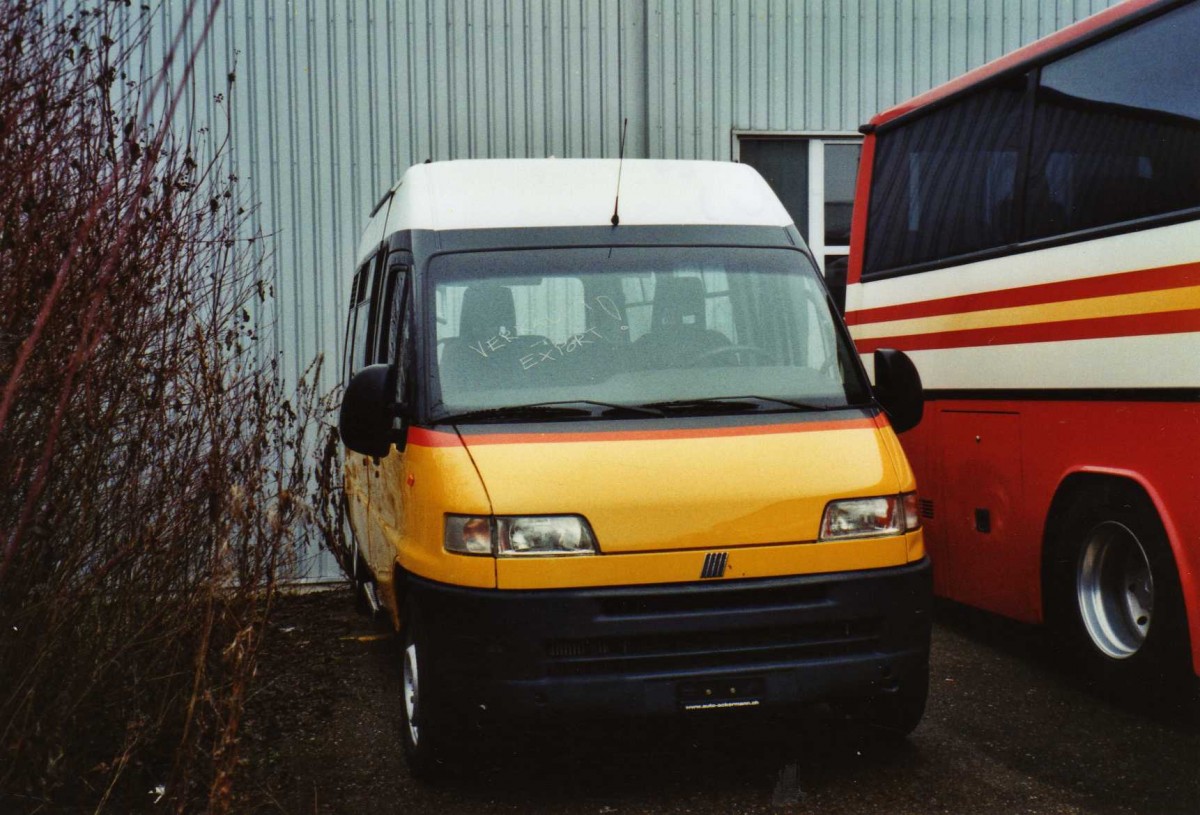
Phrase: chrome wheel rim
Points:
(1115, 589)
(411, 692)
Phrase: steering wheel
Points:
(752, 350)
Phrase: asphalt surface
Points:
(1011, 727)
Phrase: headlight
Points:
(519, 536)
(468, 536)
(870, 517)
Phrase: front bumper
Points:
(649, 650)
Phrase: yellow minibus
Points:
(613, 453)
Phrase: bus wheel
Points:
(423, 743)
(1119, 580)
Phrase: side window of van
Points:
(392, 327)
(348, 344)
(358, 332)
(387, 327)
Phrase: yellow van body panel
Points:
(680, 567)
(410, 498)
(688, 489)
(657, 500)
(905, 477)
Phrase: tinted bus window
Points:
(1117, 130)
(946, 180)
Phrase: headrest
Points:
(679, 302)
(487, 311)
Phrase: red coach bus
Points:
(1030, 235)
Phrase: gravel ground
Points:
(1009, 729)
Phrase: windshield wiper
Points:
(569, 409)
(736, 404)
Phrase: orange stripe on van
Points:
(422, 437)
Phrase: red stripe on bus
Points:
(1171, 322)
(661, 435)
(1164, 278)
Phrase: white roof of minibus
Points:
(511, 193)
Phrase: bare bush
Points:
(152, 472)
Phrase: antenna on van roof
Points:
(616, 218)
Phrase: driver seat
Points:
(678, 333)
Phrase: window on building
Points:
(783, 162)
(814, 177)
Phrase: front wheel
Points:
(424, 744)
(897, 713)
(894, 713)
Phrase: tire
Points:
(425, 743)
(895, 713)
(365, 590)
(1115, 591)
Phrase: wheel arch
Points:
(399, 595)
(1091, 480)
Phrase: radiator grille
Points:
(709, 649)
(713, 599)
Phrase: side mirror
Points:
(365, 420)
(898, 388)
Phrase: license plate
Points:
(720, 694)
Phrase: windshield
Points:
(624, 327)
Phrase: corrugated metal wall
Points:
(332, 99)
(816, 65)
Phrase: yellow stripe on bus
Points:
(1150, 302)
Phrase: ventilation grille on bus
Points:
(926, 508)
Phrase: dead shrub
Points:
(153, 472)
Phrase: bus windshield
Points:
(663, 329)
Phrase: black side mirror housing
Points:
(898, 388)
(365, 420)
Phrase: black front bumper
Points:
(666, 648)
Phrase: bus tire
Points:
(424, 741)
(1115, 590)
